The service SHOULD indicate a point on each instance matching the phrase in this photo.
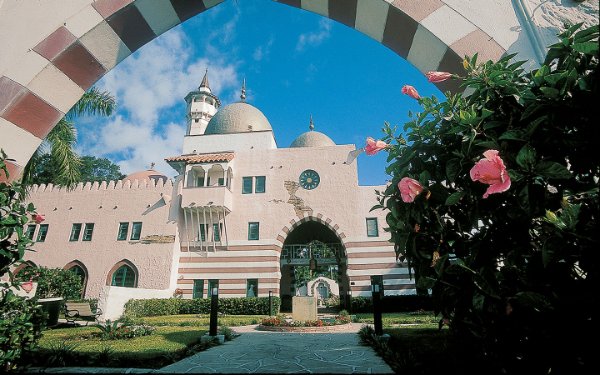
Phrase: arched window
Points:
(123, 274)
(79, 269)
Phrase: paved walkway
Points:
(276, 353)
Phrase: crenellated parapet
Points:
(147, 184)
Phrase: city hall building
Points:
(241, 214)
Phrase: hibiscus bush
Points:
(494, 205)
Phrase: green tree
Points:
(53, 282)
(62, 138)
(515, 268)
(92, 169)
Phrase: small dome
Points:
(312, 139)
(237, 118)
(149, 174)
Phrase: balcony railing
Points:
(325, 254)
(216, 196)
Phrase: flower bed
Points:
(280, 324)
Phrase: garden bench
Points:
(80, 311)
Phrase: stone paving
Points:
(261, 352)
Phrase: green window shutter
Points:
(260, 184)
(124, 276)
(216, 233)
(88, 231)
(42, 233)
(30, 231)
(200, 182)
(202, 232)
(198, 291)
(253, 231)
(123, 229)
(136, 230)
(372, 227)
(247, 185)
(221, 181)
(75, 232)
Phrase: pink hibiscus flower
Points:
(411, 91)
(409, 189)
(435, 77)
(491, 171)
(372, 147)
(39, 218)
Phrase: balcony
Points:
(209, 196)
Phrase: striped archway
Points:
(48, 67)
(319, 218)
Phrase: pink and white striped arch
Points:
(62, 60)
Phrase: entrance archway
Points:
(48, 67)
(311, 249)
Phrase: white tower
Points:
(202, 104)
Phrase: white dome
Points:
(312, 139)
(237, 118)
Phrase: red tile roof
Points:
(202, 158)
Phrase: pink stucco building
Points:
(241, 213)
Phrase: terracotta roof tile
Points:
(202, 158)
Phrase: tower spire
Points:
(311, 126)
(243, 95)
(204, 82)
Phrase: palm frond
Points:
(62, 139)
(93, 102)
(32, 166)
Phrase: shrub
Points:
(508, 243)
(174, 306)
(53, 282)
(118, 329)
(403, 303)
(21, 324)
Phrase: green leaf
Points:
(452, 169)
(515, 135)
(526, 157)
(550, 169)
(454, 198)
(550, 92)
(589, 48)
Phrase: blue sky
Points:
(295, 63)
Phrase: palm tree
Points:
(62, 138)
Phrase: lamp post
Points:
(214, 306)
(270, 303)
(377, 319)
(349, 301)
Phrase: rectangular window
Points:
(253, 232)
(75, 232)
(211, 285)
(88, 231)
(260, 184)
(42, 233)
(372, 228)
(198, 291)
(247, 185)
(252, 288)
(200, 182)
(216, 233)
(136, 230)
(123, 229)
(30, 231)
(202, 228)
(221, 181)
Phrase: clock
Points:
(309, 179)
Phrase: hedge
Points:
(405, 303)
(175, 306)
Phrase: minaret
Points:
(202, 104)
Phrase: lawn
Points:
(176, 337)
(394, 319)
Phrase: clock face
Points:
(309, 179)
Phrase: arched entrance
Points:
(311, 249)
(48, 67)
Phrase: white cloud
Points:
(263, 51)
(150, 86)
(314, 38)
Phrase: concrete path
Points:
(261, 352)
(280, 353)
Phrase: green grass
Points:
(393, 319)
(193, 320)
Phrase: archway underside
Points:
(44, 83)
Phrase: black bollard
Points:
(377, 319)
(214, 307)
(270, 303)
